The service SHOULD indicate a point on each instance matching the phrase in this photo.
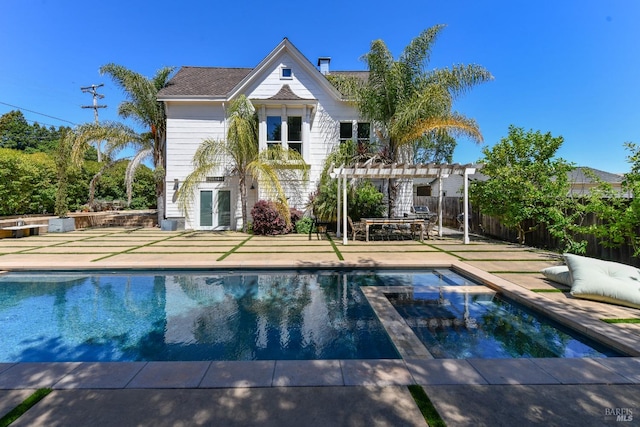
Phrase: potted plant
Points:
(63, 223)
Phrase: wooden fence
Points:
(538, 237)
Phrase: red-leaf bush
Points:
(267, 219)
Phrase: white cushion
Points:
(558, 273)
(604, 280)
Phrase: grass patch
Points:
(429, 411)
(335, 248)
(17, 412)
(235, 248)
(630, 320)
(546, 290)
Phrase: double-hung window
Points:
(364, 133)
(346, 131)
(274, 130)
(294, 133)
(361, 134)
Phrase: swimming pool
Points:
(161, 316)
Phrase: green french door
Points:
(215, 209)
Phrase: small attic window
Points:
(286, 73)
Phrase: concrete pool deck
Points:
(345, 392)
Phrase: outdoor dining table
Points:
(415, 223)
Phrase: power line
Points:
(35, 112)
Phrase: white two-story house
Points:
(297, 107)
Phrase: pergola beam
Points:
(403, 171)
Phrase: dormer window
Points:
(286, 73)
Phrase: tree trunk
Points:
(159, 164)
(243, 201)
(392, 192)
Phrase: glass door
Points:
(206, 209)
(224, 209)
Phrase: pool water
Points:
(249, 316)
(261, 315)
(483, 324)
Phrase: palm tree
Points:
(405, 101)
(241, 156)
(142, 106)
(117, 137)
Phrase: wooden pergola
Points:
(401, 171)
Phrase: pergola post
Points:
(467, 172)
(440, 196)
(338, 225)
(345, 235)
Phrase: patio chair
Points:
(357, 227)
(430, 225)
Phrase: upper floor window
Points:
(286, 73)
(274, 128)
(346, 131)
(364, 133)
(294, 133)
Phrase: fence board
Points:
(539, 237)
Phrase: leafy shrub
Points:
(296, 216)
(268, 219)
(304, 225)
(365, 202)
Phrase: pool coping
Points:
(317, 373)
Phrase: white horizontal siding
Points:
(189, 123)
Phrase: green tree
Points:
(18, 134)
(618, 213)
(526, 181)
(405, 100)
(28, 182)
(143, 106)
(239, 155)
(15, 132)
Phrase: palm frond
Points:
(455, 124)
(459, 79)
(131, 170)
(418, 53)
(116, 135)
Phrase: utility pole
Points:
(93, 91)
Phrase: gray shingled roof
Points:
(204, 81)
(219, 81)
(578, 175)
(362, 75)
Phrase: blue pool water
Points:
(250, 315)
(182, 316)
(463, 325)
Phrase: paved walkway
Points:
(282, 393)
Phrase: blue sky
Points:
(566, 67)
